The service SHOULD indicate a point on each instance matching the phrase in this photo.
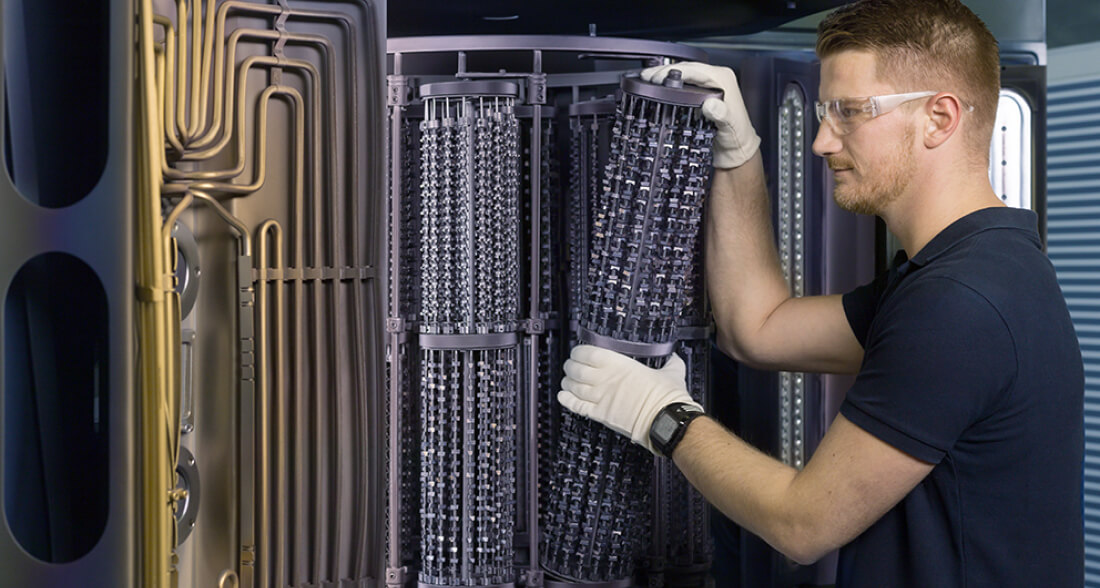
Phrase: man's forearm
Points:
(744, 279)
(749, 487)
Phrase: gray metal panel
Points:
(98, 229)
(317, 519)
(1073, 243)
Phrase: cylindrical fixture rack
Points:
(469, 358)
(424, 63)
(645, 234)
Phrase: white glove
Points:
(625, 395)
(736, 141)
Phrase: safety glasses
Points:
(845, 115)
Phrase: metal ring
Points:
(469, 88)
(468, 341)
(188, 480)
(593, 107)
(686, 95)
(187, 268)
(633, 348)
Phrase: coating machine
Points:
(297, 313)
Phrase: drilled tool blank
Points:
(644, 236)
(469, 284)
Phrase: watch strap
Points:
(681, 414)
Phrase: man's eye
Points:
(848, 112)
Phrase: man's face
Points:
(873, 164)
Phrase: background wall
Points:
(1073, 233)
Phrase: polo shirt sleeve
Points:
(860, 305)
(936, 361)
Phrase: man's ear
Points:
(944, 112)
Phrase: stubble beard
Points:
(871, 195)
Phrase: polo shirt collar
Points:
(977, 222)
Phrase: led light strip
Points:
(792, 248)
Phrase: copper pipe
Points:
(261, 146)
(155, 360)
(166, 86)
(220, 111)
(265, 347)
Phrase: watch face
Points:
(664, 426)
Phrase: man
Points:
(956, 457)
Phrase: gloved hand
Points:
(621, 393)
(736, 141)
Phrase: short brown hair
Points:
(934, 44)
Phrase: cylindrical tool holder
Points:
(469, 345)
(590, 125)
(404, 358)
(644, 239)
(548, 310)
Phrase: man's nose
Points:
(826, 142)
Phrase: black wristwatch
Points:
(669, 427)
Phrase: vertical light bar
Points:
(792, 248)
(1010, 151)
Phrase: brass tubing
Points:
(276, 564)
(322, 295)
(208, 51)
(181, 70)
(260, 173)
(329, 524)
(189, 114)
(167, 88)
(284, 404)
(299, 573)
(196, 65)
(262, 440)
(155, 359)
(173, 216)
(239, 227)
(220, 110)
(321, 420)
(193, 149)
(241, 101)
(264, 525)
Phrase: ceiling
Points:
(663, 19)
(1068, 22)
(1071, 22)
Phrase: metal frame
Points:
(449, 62)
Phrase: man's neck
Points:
(915, 218)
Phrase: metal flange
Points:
(188, 472)
(469, 88)
(672, 91)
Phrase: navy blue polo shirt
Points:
(971, 363)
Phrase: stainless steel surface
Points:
(1010, 159)
(97, 227)
(271, 116)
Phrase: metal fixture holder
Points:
(423, 57)
(188, 507)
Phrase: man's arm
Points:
(852, 479)
(758, 321)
